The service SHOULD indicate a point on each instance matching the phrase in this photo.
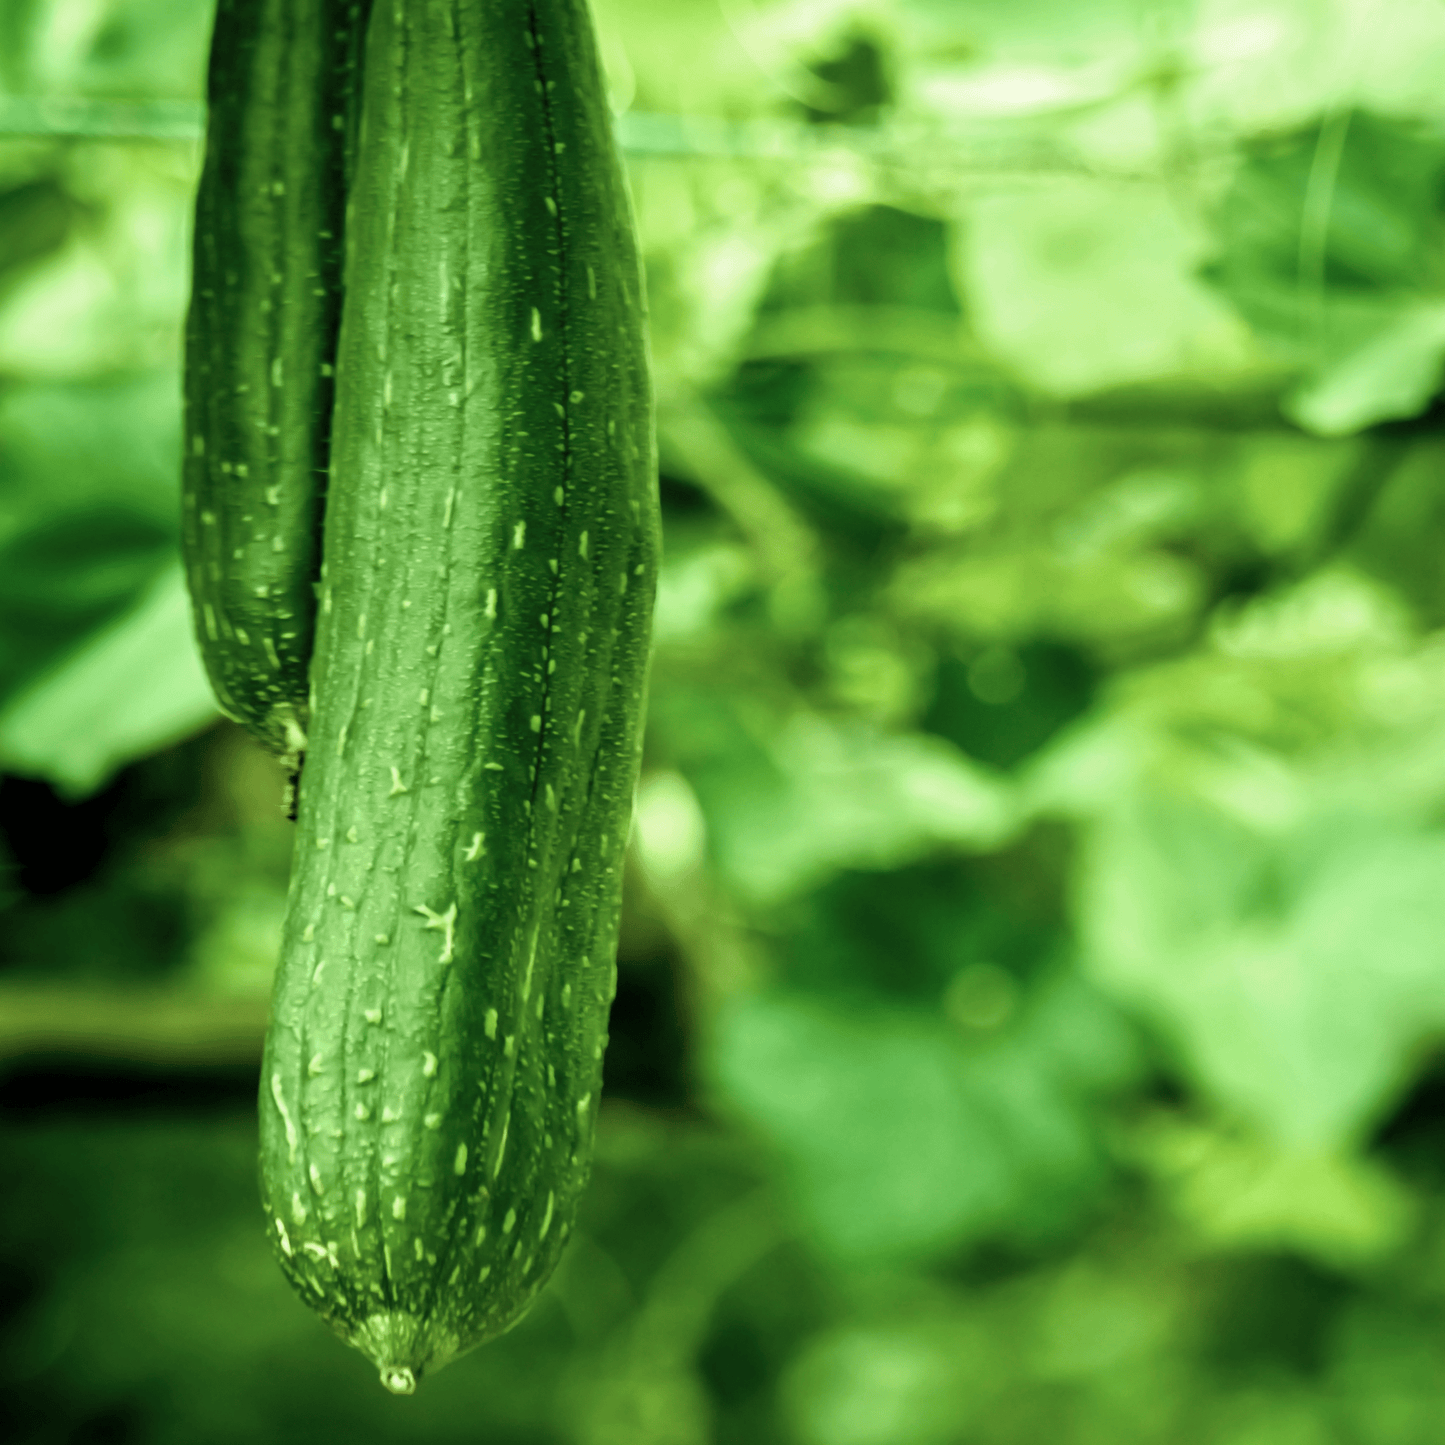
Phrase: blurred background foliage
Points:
(1033, 975)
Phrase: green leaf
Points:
(903, 1139)
(88, 511)
(823, 794)
(1297, 970)
(1084, 286)
(1329, 242)
(130, 688)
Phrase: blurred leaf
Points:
(819, 794)
(1393, 373)
(64, 577)
(1241, 1193)
(916, 934)
(88, 509)
(880, 1382)
(132, 687)
(1005, 703)
(1298, 973)
(122, 47)
(1329, 246)
(900, 1141)
(79, 444)
(1087, 286)
(34, 218)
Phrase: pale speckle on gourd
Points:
(298, 1209)
(446, 923)
(475, 848)
(433, 1121)
(519, 536)
(509, 1222)
(489, 1023)
(501, 1147)
(428, 1064)
(459, 1164)
(398, 1207)
(372, 1015)
(284, 1237)
(397, 786)
(315, 1176)
(536, 324)
(360, 1208)
(365, 1076)
(313, 1065)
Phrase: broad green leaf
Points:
(902, 1140)
(1329, 241)
(88, 509)
(1394, 373)
(823, 795)
(132, 687)
(1296, 975)
(1084, 286)
(1238, 1192)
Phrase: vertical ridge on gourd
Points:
(434, 1060)
(260, 346)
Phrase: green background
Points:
(1033, 972)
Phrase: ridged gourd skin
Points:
(261, 335)
(434, 1060)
